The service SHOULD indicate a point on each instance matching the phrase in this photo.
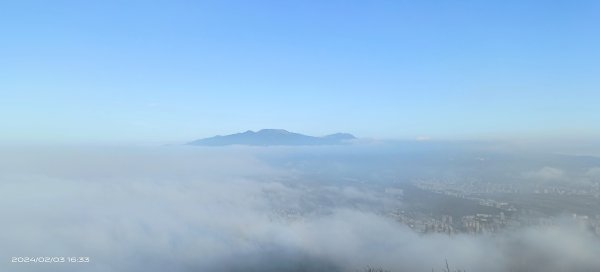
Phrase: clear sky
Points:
(168, 71)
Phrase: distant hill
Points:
(266, 137)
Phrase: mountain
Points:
(266, 137)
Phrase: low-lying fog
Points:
(255, 209)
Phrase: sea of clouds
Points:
(216, 209)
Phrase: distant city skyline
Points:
(175, 71)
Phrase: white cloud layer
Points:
(172, 209)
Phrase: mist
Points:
(257, 209)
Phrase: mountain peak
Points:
(274, 131)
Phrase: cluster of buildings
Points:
(474, 224)
(562, 190)
(465, 189)
(482, 223)
(424, 224)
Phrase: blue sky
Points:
(169, 71)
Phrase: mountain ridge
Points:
(272, 137)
